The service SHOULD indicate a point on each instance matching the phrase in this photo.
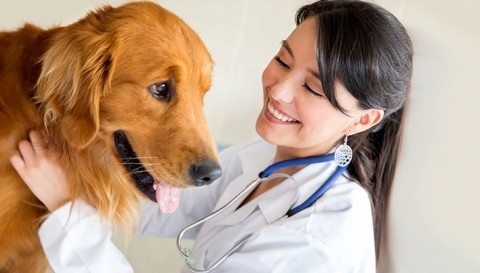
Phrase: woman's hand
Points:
(39, 167)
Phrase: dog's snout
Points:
(204, 174)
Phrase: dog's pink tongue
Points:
(168, 198)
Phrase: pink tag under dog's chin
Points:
(168, 198)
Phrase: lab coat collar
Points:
(275, 207)
(254, 157)
(273, 204)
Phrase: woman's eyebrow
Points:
(314, 73)
(287, 47)
(290, 51)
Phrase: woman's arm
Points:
(73, 237)
(75, 240)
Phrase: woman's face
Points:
(296, 116)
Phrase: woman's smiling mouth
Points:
(279, 115)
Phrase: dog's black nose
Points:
(204, 174)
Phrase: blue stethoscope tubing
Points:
(306, 161)
(269, 172)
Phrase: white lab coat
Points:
(333, 235)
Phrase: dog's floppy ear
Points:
(76, 73)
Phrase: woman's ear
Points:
(367, 120)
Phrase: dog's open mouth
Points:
(166, 196)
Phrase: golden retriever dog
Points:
(120, 93)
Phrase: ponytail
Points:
(374, 162)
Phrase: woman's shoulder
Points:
(346, 207)
(347, 195)
(342, 222)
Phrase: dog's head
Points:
(134, 78)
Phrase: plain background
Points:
(434, 214)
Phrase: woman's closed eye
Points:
(281, 62)
(305, 85)
(310, 90)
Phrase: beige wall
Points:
(434, 222)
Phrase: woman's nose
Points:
(283, 91)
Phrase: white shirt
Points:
(333, 235)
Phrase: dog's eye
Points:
(160, 91)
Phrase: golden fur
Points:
(79, 84)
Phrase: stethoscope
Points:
(342, 156)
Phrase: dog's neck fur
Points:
(22, 51)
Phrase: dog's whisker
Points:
(149, 164)
(148, 157)
(137, 163)
(137, 166)
(128, 162)
(141, 157)
(149, 169)
(138, 170)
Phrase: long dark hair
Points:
(368, 50)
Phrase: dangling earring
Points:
(343, 154)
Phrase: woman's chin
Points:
(267, 131)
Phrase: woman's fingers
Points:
(39, 144)
(39, 167)
(22, 161)
(17, 162)
(31, 151)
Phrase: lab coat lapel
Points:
(295, 190)
(278, 201)
(253, 160)
(237, 216)
(273, 204)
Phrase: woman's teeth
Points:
(279, 115)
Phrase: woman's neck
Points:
(285, 153)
